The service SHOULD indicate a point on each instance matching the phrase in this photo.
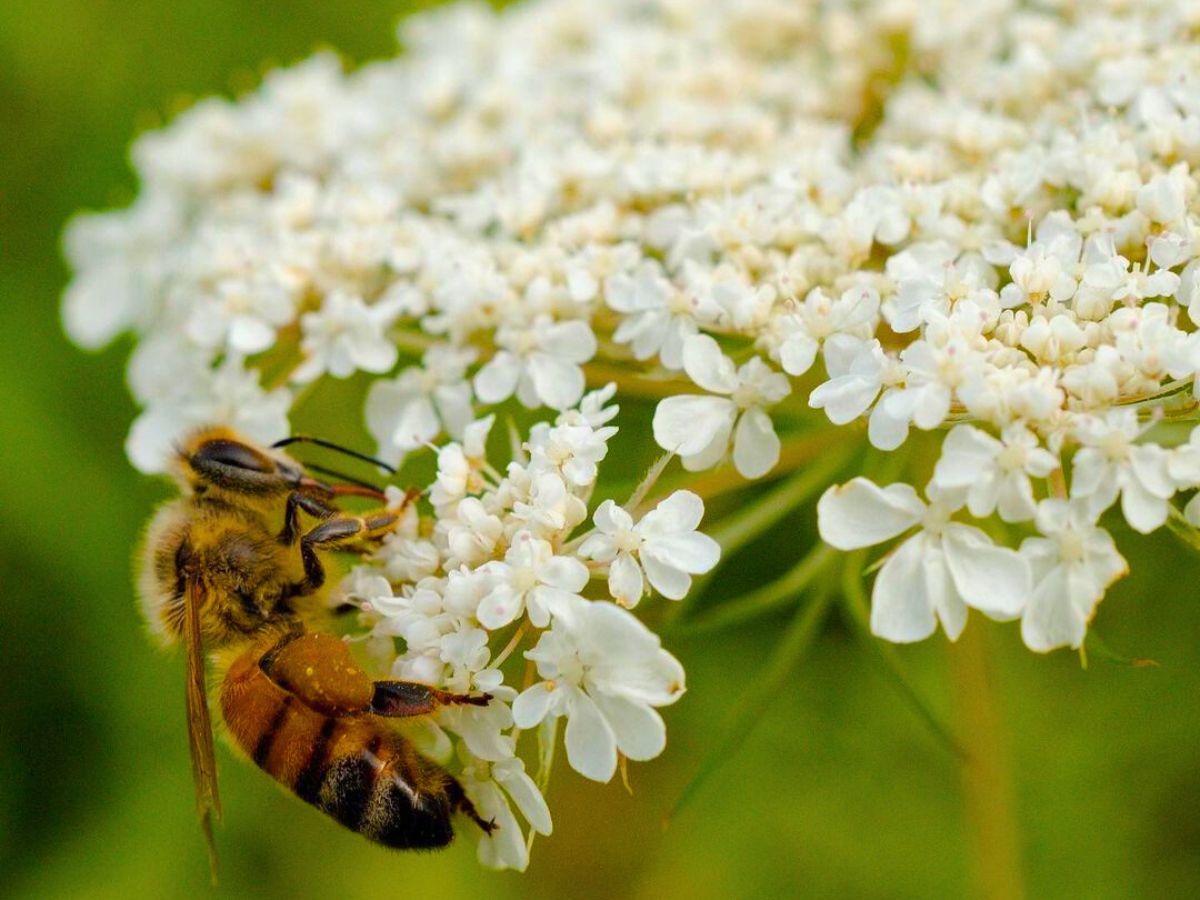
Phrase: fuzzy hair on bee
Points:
(235, 569)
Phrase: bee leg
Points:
(460, 802)
(339, 531)
(318, 669)
(399, 699)
(297, 501)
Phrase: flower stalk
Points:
(993, 831)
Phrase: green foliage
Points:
(840, 790)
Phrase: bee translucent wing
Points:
(200, 733)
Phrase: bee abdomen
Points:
(367, 779)
(377, 802)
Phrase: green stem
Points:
(769, 597)
(986, 777)
(854, 601)
(742, 528)
(747, 711)
(1185, 531)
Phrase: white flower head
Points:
(934, 575)
(539, 362)
(665, 545)
(1073, 565)
(606, 672)
(995, 473)
(700, 428)
(531, 579)
(344, 336)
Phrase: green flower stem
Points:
(742, 528)
(986, 777)
(738, 530)
(801, 634)
(884, 655)
(1185, 531)
(644, 486)
(797, 450)
(775, 595)
(631, 383)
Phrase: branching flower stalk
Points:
(795, 229)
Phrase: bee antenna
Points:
(329, 445)
(342, 476)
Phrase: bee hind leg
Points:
(400, 699)
(460, 802)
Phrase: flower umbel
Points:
(977, 260)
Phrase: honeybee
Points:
(234, 568)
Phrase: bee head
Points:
(218, 461)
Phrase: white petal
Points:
(667, 580)
(707, 366)
(1050, 619)
(931, 405)
(1142, 510)
(497, 379)
(691, 552)
(591, 744)
(505, 848)
(797, 353)
(500, 607)
(755, 444)
(598, 546)
(1092, 473)
(1149, 464)
(886, 430)
(573, 341)
(151, 438)
(532, 705)
(1191, 512)
(682, 511)
(525, 794)
(860, 513)
(558, 382)
(417, 425)
(625, 582)
(564, 572)
(711, 455)
(372, 355)
(639, 730)
(249, 335)
(611, 518)
(994, 580)
(900, 608)
(689, 424)
(966, 452)
(1014, 498)
(545, 601)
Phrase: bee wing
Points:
(200, 733)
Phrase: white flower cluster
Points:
(496, 552)
(977, 218)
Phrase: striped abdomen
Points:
(352, 767)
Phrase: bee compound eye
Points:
(234, 455)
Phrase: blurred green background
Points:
(842, 790)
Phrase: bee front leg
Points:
(297, 501)
(338, 532)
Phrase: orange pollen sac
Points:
(319, 668)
